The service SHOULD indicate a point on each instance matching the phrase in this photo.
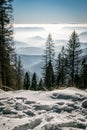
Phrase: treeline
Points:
(32, 82)
(68, 69)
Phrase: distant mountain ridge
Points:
(29, 29)
(30, 51)
(83, 33)
(75, 28)
(36, 41)
(19, 44)
(32, 63)
(26, 49)
(38, 38)
(83, 36)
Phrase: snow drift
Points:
(56, 110)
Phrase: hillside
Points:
(30, 51)
(55, 110)
(32, 63)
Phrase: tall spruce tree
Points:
(34, 82)
(40, 86)
(19, 74)
(27, 81)
(0, 77)
(61, 68)
(50, 78)
(48, 63)
(73, 54)
(57, 70)
(7, 74)
(83, 78)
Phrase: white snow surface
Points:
(64, 109)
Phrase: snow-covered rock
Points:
(55, 110)
(84, 104)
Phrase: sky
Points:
(50, 11)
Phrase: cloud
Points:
(28, 29)
(75, 28)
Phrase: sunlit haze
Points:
(58, 31)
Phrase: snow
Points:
(64, 109)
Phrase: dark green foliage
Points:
(63, 66)
(83, 79)
(57, 70)
(50, 79)
(61, 63)
(27, 81)
(34, 82)
(40, 86)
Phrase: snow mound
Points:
(55, 110)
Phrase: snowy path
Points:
(56, 110)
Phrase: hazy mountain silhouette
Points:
(29, 29)
(30, 51)
(83, 36)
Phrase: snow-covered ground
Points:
(55, 110)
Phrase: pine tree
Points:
(7, 74)
(50, 78)
(61, 68)
(40, 86)
(83, 79)
(50, 49)
(34, 82)
(27, 81)
(48, 63)
(0, 77)
(73, 54)
(19, 74)
(57, 70)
